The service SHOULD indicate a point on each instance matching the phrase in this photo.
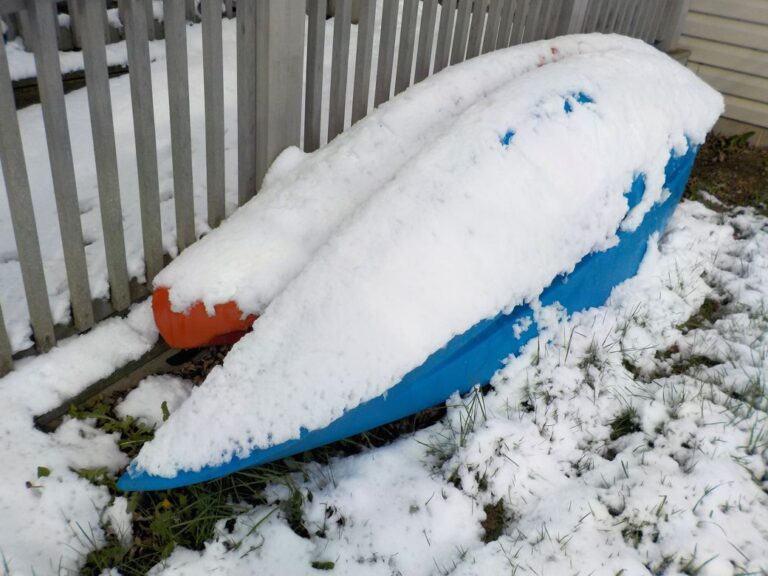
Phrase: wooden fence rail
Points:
(281, 72)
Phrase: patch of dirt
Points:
(732, 171)
(495, 521)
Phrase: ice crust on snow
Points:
(465, 229)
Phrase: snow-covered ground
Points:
(630, 437)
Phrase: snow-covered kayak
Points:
(215, 290)
(543, 190)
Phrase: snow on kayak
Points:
(220, 284)
(542, 174)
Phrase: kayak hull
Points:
(473, 357)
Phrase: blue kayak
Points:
(474, 356)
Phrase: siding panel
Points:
(723, 56)
(735, 83)
(747, 10)
(728, 40)
(728, 31)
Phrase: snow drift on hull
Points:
(527, 183)
(223, 282)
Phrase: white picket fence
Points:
(280, 69)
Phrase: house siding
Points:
(728, 41)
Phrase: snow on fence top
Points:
(493, 202)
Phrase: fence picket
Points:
(11, 32)
(593, 13)
(653, 18)
(339, 67)
(22, 213)
(25, 30)
(625, 16)
(461, 33)
(246, 101)
(363, 57)
(105, 151)
(479, 9)
(144, 129)
(444, 35)
(213, 88)
(280, 27)
(426, 39)
(646, 15)
(75, 22)
(531, 20)
(49, 82)
(505, 26)
(314, 88)
(657, 28)
(638, 21)
(572, 17)
(492, 26)
(553, 18)
(615, 16)
(520, 21)
(543, 19)
(6, 353)
(673, 24)
(191, 11)
(178, 104)
(149, 15)
(386, 51)
(405, 49)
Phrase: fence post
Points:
(674, 25)
(572, 17)
(279, 76)
(22, 213)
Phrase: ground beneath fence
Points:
(629, 439)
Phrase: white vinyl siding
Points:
(728, 40)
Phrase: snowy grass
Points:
(636, 431)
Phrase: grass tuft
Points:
(626, 422)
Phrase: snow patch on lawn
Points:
(145, 401)
(50, 517)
